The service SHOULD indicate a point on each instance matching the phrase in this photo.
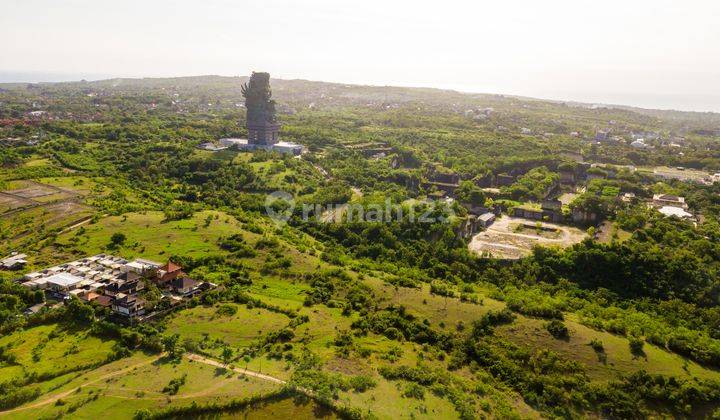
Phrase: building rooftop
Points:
(183, 283)
(485, 217)
(63, 279)
(675, 211)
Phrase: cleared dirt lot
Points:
(11, 202)
(504, 240)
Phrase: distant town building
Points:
(212, 147)
(602, 135)
(502, 180)
(670, 211)
(662, 200)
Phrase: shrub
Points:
(484, 326)
(597, 345)
(226, 310)
(413, 390)
(557, 329)
(174, 386)
(636, 346)
(534, 303)
(362, 383)
(117, 239)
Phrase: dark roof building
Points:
(128, 305)
(184, 285)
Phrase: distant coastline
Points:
(653, 101)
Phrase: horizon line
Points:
(67, 77)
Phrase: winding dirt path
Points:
(192, 356)
(211, 362)
(54, 398)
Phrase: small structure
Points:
(212, 147)
(662, 200)
(280, 147)
(14, 262)
(503, 180)
(143, 267)
(671, 211)
(34, 309)
(104, 301)
(126, 283)
(184, 286)
(486, 219)
(628, 197)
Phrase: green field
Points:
(122, 388)
(206, 326)
(148, 236)
(50, 349)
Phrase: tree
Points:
(80, 313)
(227, 355)
(172, 346)
(117, 239)
(470, 193)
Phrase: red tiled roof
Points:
(91, 296)
(104, 300)
(171, 267)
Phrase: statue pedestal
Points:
(263, 133)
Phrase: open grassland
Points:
(282, 292)
(616, 359)
(22, 229)
(525, 331)
(289, 408)
(149, 236)
(436, 309)
(386, 401)
(80, 184)
(210, 327)
(119, 389)
(50, 349)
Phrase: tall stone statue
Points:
(262, 124)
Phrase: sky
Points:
(655, 54)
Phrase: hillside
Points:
(366, 299)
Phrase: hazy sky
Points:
(655, 53)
